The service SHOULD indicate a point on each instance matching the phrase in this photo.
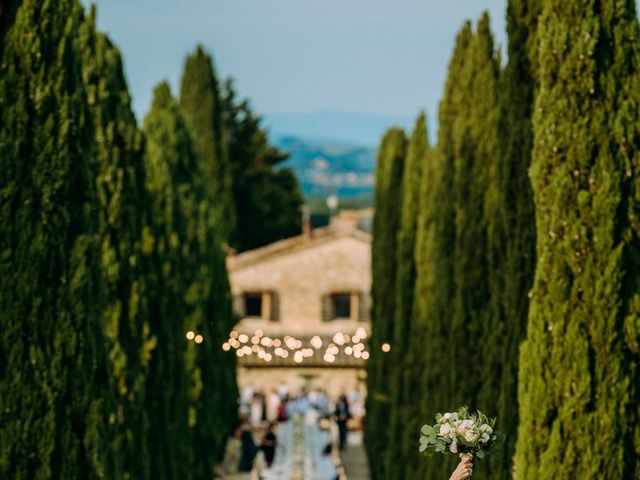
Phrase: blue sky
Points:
(380, 57)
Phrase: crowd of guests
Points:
(252, 450)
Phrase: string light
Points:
(386, 347)
(190, 335)
(301, 350)
(199, 339)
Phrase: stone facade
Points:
(310, 295)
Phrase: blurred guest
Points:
(326, 468)
(283, 410)
(231, 459)
(273, 403)
(342, 416)
(283, 391)
(248, 448)
(268, 444)
(257, 408)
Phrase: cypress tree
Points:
(578, 389)
(193, 267)
(52, 361)
(386, 223)
(267, 197)
(511, 236)
(170, 163)
(403, 422)
(434, 256)
(433, 288)
(122, 203)
(475, 152)
(452, 304)
(201, 104)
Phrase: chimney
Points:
(306, 220)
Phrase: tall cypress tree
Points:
(123, 209)
(170, 163)
(475, 145)
(578, 389)
(214, 389)
(386, 222)
(267, 197)
(511, 235)
(52, 361)
(452, 294)
(192, 265)
(201, 103)
(433, 289)
(434, 255)
(404, 378)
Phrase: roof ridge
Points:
(299, 242)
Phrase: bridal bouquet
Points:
(460, 432)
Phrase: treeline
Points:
(506, 256)
(114, 295)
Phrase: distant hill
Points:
(325, 168)
(333, 152)
(352, 128)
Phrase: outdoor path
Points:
(299, 449)
(300, 446)
(354, 458)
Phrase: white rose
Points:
(450, 416)
(468, 423)
(445, 429)
(470, 436)
(485, 438)
(453, 448)
(485, 428)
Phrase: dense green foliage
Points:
(255, 202)
(473, 150)
(122, 199)
(511, 236)
(578, 389)
(170, 158)
(109, 255)
(267, 198)
(404, 379)
(53, 362)
(201, 103)
(457, 318)
(447, 346)
(192, 266)
(388, 201)
(500, 257)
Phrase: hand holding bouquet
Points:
(460, 432)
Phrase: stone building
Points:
(303, 305)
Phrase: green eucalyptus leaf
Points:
(428, 430)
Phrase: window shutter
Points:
(274, 315)
(327, 308)
(363, 307)
(238, 306)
